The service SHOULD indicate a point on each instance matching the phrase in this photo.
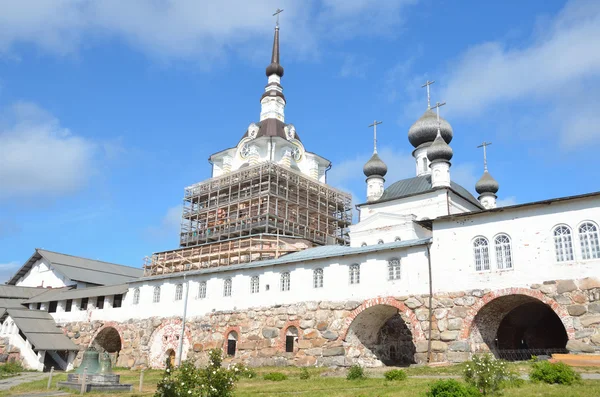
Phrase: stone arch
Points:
(231, 333)
(108, 339)
(381, 331)
(166, 337)
(517, 319)
(289, 325)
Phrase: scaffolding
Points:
(256, 213)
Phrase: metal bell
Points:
(89, 361)
(105, 364)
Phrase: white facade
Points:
(42, 274)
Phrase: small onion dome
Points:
(439, 150)
(425, 129)
(375, 166)
(274, 68)
(487, 184)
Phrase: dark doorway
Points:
(231, 343)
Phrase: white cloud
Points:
(39, 156)
(354, 66)
(190, 29)
(8, 269)
(169, 224)
(505, 202)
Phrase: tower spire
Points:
(275, 67)
(272, 100)
(374, 125)
(486, 186)
(484, 145)
(439, 155)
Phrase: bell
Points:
(105, 364)
(89, 361)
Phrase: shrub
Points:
(356, 372)
(243, 372)
(11, 367)
(275, 376)
(304, 374)
(395, 374)
(489, 375)
(545, 371)
(451, 388)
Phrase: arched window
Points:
(363, 244)
(354, 274)
(254, 285)
(178, 292)
(394, 269)
(563, 243)
(318, 278)
(397, 238)
(232, 343)
(503, 252)
(136, 296)
(482, 254)
(380, 241)
(202, 290)
(285, 281)
(588, 238)
(227, 287)
(291, 336)
(156, 295)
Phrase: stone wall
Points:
(343, 333)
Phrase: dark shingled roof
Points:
(271, 127)
(418, 185)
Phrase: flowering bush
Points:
(187, 380)
(547, 372)
(489, 375)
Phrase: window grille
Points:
(588, 238)
(482, 255)
(136, 296)
(354, 274)
(394, 269)
(254, 285)
(318, 278)
(156, 296)
(178, 292)
(285, 281)
(227, 287)
(563, 244)
(503, 252)
(202, 290)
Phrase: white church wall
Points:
(533, 253)
(424, 206)
(42, 274)
(459, 205)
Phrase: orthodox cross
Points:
(484, 145)
(374, 125)
(437, 108)
(427, 84)
(279, 11)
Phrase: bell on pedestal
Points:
(105, 364)
(89, 361)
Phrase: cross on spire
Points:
(427, 84)
(279, 11)
(374, 125)
(437, 107)
(484, 145)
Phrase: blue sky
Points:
(109, 109)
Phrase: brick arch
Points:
(413, 324)
(229, 330)
(560, 311)
(281, 341)
(171, 329)
(106, 325)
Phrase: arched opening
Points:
(516, 327)
(108, 340)
(232, 343)
(170, 357)
(291, 338)
(379, 335)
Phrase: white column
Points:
(440, 174)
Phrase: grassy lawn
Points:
(325, 382)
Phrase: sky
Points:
(109, 109)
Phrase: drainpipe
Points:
(430, 302)
(185, 301)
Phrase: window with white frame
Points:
(156, 295)
(136, 296)
(178, 292)
(588, 238)
(563, 243)
(254, 285)
(503, 252)
(285, 281)
(394, 269)
(202, 290)
(227, 287)
(481, 253)
(318, 278)
(354, 274)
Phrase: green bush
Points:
(275, 376)
(545, 371)
(304, 374)
(356, 372)
(451, 388)
(395, 374)
(243, 372)
(489, 375)
(11, 367)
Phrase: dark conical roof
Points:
(375, 166)
(275, 67)
(487, 184)
(439, 150)
(425, 129)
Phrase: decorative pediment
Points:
(383, 220)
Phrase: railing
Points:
(527, 354)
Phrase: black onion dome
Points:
(487, 184)
(439, 150)
(425, 129)
(375, 166)
(274, 68)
